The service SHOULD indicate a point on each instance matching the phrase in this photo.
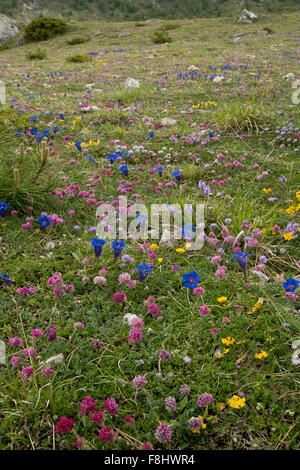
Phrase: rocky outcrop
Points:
(247, 17)
(8, 29)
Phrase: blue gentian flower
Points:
(123, 169)
(3, 209)
(241, 258)
(33, 118)
(176, 174)
(191, 279)
(6, 279)
(159, 170)
(141, 218)
(188, 231)
(55, 129)
(34, 130)
(89, 158)
(44, 222)
(46, 133)
(78, 146)
(118, 247)
(291, 284)
(62, 116)
(143, 270)
(151, 134)
(39, 138)
(97, 244)
(112, 157)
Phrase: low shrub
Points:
(160, 37)
(37, 54)
(78, 59)
(41, 29)
(77, 40)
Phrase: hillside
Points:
(141, 9)
(133, 339)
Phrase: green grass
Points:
(236, 155)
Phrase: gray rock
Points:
(21, 42)
(131, 83)
(247, 17)
(95, 34)
(8, 29)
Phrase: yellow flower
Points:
(180, 250)
(188, 245)
(256, 306)
(160, 260)
(221, 299)
(154, 246)
(261, 355)
(228, 341)
(291, 210)
(298, 195)
(236, 402)
(288, 236)
(218, 354)
(203, 425)
(267, 190)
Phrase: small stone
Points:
(131, 83)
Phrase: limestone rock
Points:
(168, 121)
(193, 68)
(247, 17)
(218, 79)
(8, 29)
(131, 83)
(289, 76)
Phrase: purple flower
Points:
(184, 389)
(87, 406)
(163, 433)
(205, 399)
(51, 334)
(195, 423)
(111, 406)
(139, 381)
(26, 372)
(106, 434)
(164, 355)
(170, 403)
(206, 191)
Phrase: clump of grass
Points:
(161, 36)
(242, 117)
(139, 24)
(77, 40)
(24, 184)
(37, 54)
(22, 170)
(78, 59)
(170, 26)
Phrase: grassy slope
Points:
(269, 420)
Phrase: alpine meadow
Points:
(149, 225)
